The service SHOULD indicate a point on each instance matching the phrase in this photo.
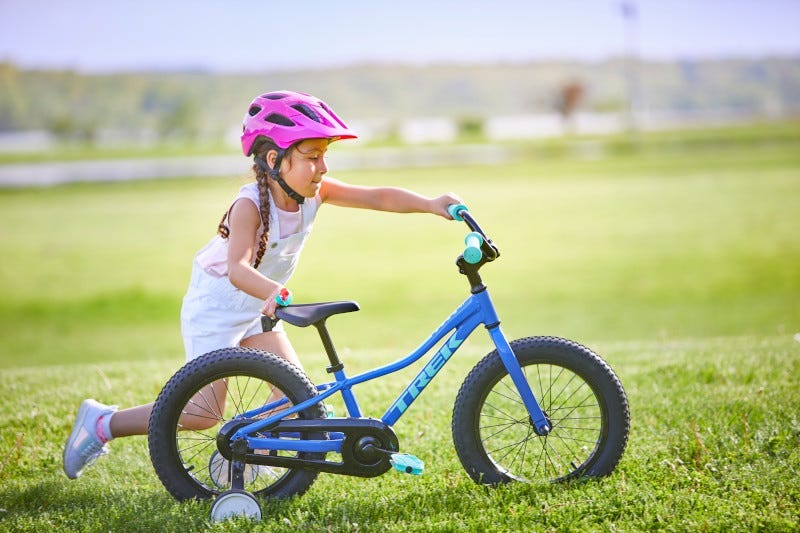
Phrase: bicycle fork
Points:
(540, 422)
(538, 419)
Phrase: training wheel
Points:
(235, 503)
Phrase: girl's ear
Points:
(272, 157)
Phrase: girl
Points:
(239, 274)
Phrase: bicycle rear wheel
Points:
(205, 394)
(579, 394)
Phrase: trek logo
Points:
(426, 374)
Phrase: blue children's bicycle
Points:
(239, 422)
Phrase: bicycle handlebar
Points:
(455, 211)
(473, 253)
(479, 246)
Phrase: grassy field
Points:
(680, 267)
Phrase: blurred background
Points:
(147, 77)
(638, 160)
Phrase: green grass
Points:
(715, 444)
(680, 269)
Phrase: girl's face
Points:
(304, 168)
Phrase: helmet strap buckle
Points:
(274, 173)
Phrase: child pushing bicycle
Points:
(242, 272)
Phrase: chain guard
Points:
(363, 437)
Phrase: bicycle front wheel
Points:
(205, 394)
(580, 395)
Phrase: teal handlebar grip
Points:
(455, 209)
(473, 253)
(284, 297)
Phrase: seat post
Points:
(327, 342)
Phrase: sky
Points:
(251, 36)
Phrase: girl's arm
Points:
(243, 222)
(392, 199)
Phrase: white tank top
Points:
(287, 234)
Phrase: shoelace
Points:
(91, 453)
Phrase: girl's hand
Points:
(440, 204)
(270, 304)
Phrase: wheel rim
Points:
(197, 447)
(577, 420)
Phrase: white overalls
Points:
(215, 314)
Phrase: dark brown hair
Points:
(261, 148)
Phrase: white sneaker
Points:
(218, 470)
(83, 446)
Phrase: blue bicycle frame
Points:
(477, 309)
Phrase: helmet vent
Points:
(274, 96)
(279, 119)
(307, 111)
(332, 114)
(253, 111)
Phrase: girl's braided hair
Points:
(260, 148)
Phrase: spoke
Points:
(195, 415)
(591, 393)
(216, 400)
(256, 394)
(542, 455)
(549, 393)
(216, 414)
(484, 415)
(578, 428)
(575, 439)
(203, 438)
(524, 448)
(501, 448)
(555, 458)
(516, 400)
(194, 444)
(564, 387)
(573, 407)
(236, 405)
(508, 418)
(541, 389)
(217, 470)
(564, 443)
(492, 406)
(203, 447)
(507, 426)
(277, 408)
(240, 405)
(561, 461)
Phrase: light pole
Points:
(630, 17)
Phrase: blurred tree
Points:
(181, 120)
(62, 127)
(470, 128)
(66, 129)
(12, 100)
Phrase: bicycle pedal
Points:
(407, 463)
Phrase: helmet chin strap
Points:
(275, 175)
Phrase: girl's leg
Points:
(131, 421)
(87, 442)
(276, 342)
(134, 420)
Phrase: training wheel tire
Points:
(233, 503)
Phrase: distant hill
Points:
(199, 103)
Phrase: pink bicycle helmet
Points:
(287, 117)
